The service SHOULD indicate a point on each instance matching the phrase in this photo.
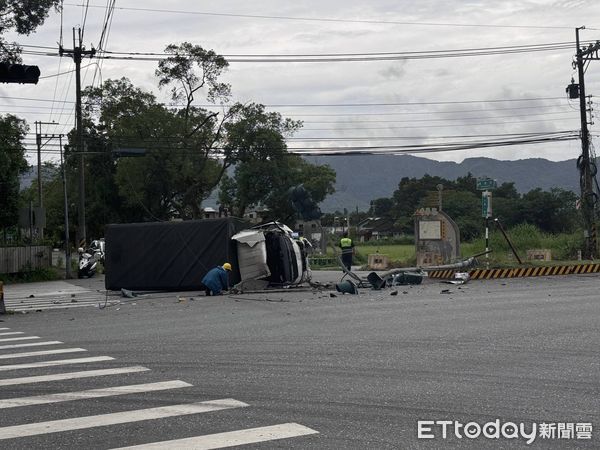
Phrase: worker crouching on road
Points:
(216, 280)
(347, 247)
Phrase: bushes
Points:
(48, 274)
(528, 237)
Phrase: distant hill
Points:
(362, 178)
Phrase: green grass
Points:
(399, 254)
(524, 237)
(394, 252)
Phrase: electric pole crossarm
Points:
(591, 50)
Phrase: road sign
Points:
(486, 204)
(486, 184)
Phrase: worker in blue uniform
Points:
(216, 280)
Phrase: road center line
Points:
(80, 423)
(30, 344)
(60, 362)
(230, 439)
(42, 353)
(92, 393)
(72, 375)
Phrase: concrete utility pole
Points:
(65, 202)
(78, 53)
(38, 141)
(586, 167)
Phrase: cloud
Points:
(394, 71)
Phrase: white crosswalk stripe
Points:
(101, 420)
(92, 393)
(71, 375)
(206, 441)
(42, 353)
(30, 344)
(60, 362)
(230, 439)
(11, 333)
(23, 338)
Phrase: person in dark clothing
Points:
(216, 280)
(347, 247)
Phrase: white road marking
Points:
(230, 439)
(72, 375)
(80, 423)
(92, 393)
(42, 353)
(3, 329)
(60, 362)
(46, 307)
(11, 333)
(30, 344)
(26, 338)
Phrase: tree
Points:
(22, 16)
(268, 182)
(12, 164)
(381, 207)
(187, 150)
(551, 211)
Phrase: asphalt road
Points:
(357, 371)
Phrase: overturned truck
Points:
(175, 256)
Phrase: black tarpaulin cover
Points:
(169, 255)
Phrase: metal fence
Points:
(23, 259)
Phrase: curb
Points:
(519, 272)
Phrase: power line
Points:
(427, 112)
(427, 138)
(434, 126)
(330, 20)
(341, 105)
(365, 57)
(446, 119)
(330, 57)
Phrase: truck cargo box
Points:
(169, 255)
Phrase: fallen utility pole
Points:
(586, 166)
(77, 53)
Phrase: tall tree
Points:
(267, 182)
(12, 164)
(22, 16)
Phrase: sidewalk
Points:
(48, 295)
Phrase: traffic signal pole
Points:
(77, 53)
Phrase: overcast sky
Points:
(375, 26)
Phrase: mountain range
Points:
(362, 178)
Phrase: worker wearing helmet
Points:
(216, 280)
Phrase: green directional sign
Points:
(486, 184)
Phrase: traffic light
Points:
(19, 73)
